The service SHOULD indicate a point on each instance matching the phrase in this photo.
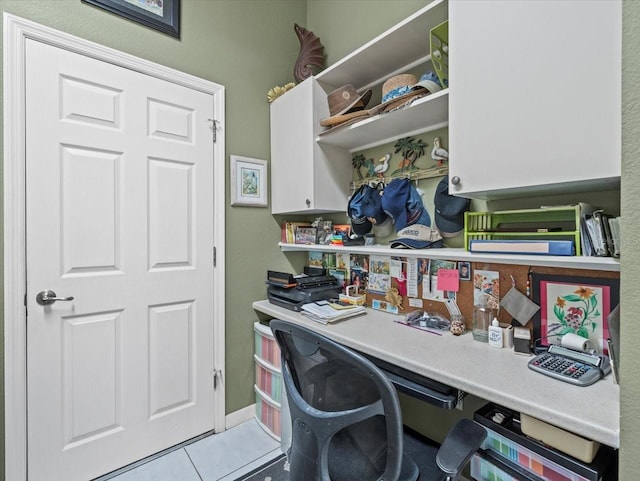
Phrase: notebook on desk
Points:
(326, 314)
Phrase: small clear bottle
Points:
(482, 316)
(495, 334)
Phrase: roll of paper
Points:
(575, 342)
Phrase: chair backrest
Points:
(345, 413)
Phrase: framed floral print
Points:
(578, 305)
(248, 182)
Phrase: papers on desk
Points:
(326, 314)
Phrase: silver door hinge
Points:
(217, 374)
(215, 256)
(214, 128)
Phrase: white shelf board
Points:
(567, 262)
(402, 45)
(425, 114)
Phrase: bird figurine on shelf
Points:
(384, 165)
(439, 154)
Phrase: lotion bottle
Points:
(495, 333)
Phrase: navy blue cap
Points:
(449, 210)
(359, 222)
(402, 201)
(365, 210)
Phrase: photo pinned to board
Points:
(430, 289)
(379, 274)
(486, 288)
(341, 275)
(359, 271)
(343, 261)
(315, 259)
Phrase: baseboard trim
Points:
(240, 416)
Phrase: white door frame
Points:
(16, 31)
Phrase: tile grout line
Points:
(193, 464)
(241, 468)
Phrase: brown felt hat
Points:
(347, 98)
(345, 103)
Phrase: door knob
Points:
(46, 298)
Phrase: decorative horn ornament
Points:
(311, 54)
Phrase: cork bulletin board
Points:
(508, 275)
(521, 277)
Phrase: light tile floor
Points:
(219, 457)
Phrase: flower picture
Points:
(248, 182)
(580, 306)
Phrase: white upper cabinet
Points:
(311, 173)
(535, 96)
(305, 177)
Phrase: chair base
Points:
(422, 451)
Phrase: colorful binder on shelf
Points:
(536, 247)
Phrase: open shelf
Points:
(402, 47)
(424, 115)
(568, 262)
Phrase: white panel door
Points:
(119, 197)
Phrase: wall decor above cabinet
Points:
(310, 172)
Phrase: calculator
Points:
(575, 367)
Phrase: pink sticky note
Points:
(448, 280)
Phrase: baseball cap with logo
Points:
(401, 200)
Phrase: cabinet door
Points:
(292, 150)
(535, 96)
(305, 178)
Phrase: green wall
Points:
(630, 194)
(249, 46)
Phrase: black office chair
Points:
(346, 419)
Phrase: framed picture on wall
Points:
(577, 305)
(161, 15)
(249, 182)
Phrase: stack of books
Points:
(328, 312)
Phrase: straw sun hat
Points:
(397, 91)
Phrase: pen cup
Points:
(507, 336)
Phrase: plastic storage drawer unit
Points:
(268, 414)
(484, 467)
(266, 347)
(268, 379)
(506, 442)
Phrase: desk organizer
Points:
(268, 414)
(506, 442)
(268, 379)
(439, 50)
(266, 347)
(484, 467)
(549, 223)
